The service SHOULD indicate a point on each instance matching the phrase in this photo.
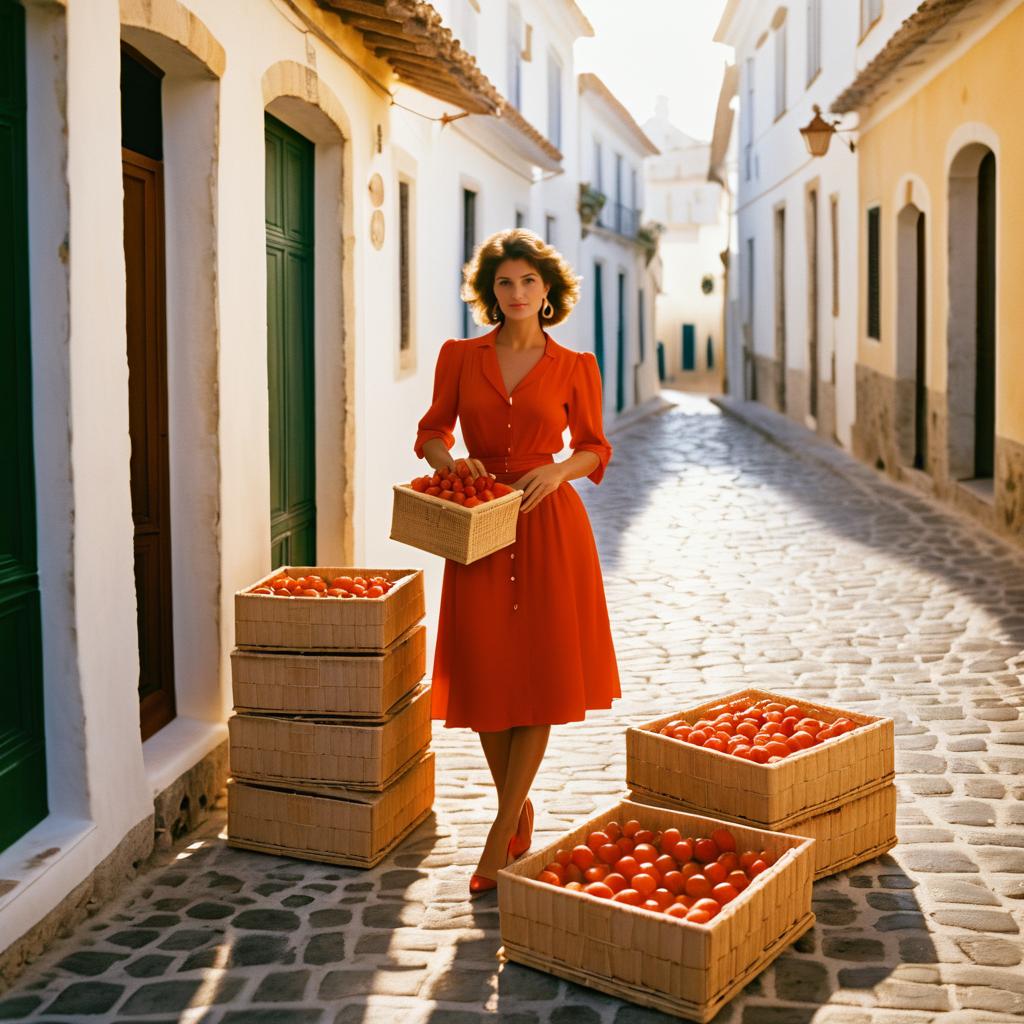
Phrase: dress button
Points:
(513, 579)
(515, 607)
(513, 556)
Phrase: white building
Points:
(695, 220)
(796, 217)
(215, 200)
(618, 289)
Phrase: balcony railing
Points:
(622, 219)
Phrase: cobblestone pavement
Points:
(728, 562)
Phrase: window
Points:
(468, 243)
(549, 229)
(515, 57)
(874, 280)
(834, 218)
(748, 121)
(813, 39)
(618, 193)
(780, 70)
(750, 282)
(641, 339)
(870, 12)
(599, 177)
(404, 333)
(520, 218)
(554, 99)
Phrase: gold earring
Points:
(547, 310)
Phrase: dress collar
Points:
(493, 372)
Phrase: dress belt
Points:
(515, 463)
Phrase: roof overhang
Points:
(932, 25)
(411, 37)
(724, 117)
(590, 83)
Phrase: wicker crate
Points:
(451, 531)
(771, 796)
(355, 685)
(329, 751)
(686, 969)
(356, 829)
(854, 832)
(330, 624)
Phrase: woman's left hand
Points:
(537, 484)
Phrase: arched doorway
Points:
(911, 337)
(972, 306)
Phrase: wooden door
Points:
(812, 302)
(22, 747)
(599, 319)
(780, 309)
(921, 353)
(142, 175)
(689, 346)
(985, 381)
(290, 368)
(620, 348)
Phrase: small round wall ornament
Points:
(707, 284)
(376, 190)
(377, 229)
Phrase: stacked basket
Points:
(841, 793)
(330, 741)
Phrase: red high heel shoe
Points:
(523, 838)
(481, 883)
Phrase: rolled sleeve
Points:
(439, 419)
(585, 413)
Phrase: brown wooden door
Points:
(147, 407)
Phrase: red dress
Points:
(523, 636)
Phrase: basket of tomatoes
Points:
(308, 608)
(455, 515)
(778, 762)
(667, 909)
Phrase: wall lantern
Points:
(818, 134)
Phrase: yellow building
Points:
(940, 359)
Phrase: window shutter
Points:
(874, 282)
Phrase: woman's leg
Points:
(525, 753)
(496, 746)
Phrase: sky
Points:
(645, 48)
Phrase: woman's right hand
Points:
(476, 467)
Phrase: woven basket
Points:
(326, 751)
(355, 685)
(358, 830)
(859, 830)
(330, 623)
(451, 531)
(771, 795)
(690, 970)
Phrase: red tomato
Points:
(738, 880)
(730, 861)
(759, 755)
(724, 893)
(689, 869)
(715, 872)
(596, 840)
(599, 889)
(574, 886)
(644, 851)
(711, 906)
(644, 835)
(583, 857)
(756, 868)
(609, 853)
(357, 590)
(747, 858)
(625, 844)
(375, 591)
(677, 910)
(644, 883)
(698, 737)
(549, 877)
(705, 850)
(616, 882)
(674, 881)
(697, 916)
(434, 490)
(335, 592)
(627, 867)
(563, 857)
(669, 838)
(683, 850)
(714, 743)
(309, 592)
(631, 828)
(724, 840)
(613, 830)
(666, 863)
(628, 896)
(573, 873)
(597, 873)
(663, 898)
(698, 885)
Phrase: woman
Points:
(523, 640)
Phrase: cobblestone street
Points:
(729, 562)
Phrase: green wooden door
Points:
(22, 748)
(289, 198)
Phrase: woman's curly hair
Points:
(518, 244)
